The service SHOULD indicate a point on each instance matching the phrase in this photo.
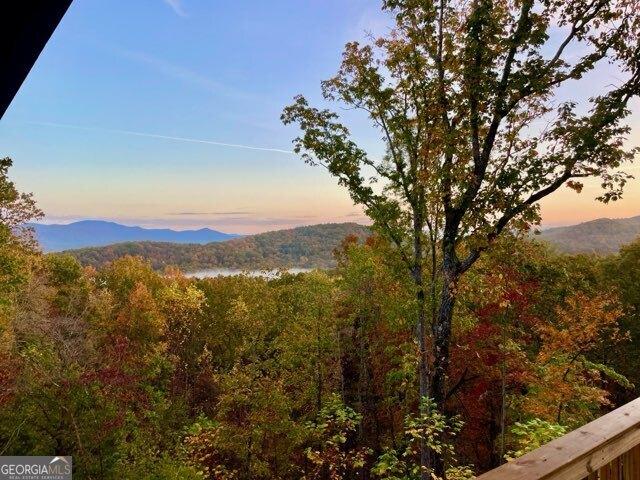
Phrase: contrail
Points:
(164, 137)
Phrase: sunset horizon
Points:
(139, 124)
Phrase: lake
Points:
(228, 272)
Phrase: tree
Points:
(16, 208)
(568, 379)
(17, 260)
(622, 272)
(465, 96)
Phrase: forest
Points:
(301, 247)
(140, 373)
(443, 344)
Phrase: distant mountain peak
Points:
(600, 236)
(96, 233)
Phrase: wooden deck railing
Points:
(606, 449)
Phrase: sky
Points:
(166, 113)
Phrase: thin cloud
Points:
(231, 221)
(176, 6)
(210, 213)
(164, 137)
(293, 221)
(188, 75)
(179, 72)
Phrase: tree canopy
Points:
(466, 97)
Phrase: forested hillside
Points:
(312, 246)
(150, 375)
(305, 247)
(601, 236)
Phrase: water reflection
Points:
(228, 272)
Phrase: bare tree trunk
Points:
(350, 363)
(442, 339)
(422, 341)
(319, 384)
(421, 300)
(503, 393)
(425, 453)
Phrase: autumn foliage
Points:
(145, 374)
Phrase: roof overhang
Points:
(25, 28)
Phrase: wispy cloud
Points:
(188, 214)
(177, 7)
(256, 223)
(164, 137)
(179, 72)
(245, 223)
(372, 23)
(191, 77)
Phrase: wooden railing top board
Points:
(577, 454)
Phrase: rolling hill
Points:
(95, 233)
(312, 246)
(601, 236)
(305, 247)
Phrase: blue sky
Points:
(193, 70)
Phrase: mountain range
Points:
(309, 246)
(95, 233)
(601, 236)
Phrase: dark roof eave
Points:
(25, 28)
